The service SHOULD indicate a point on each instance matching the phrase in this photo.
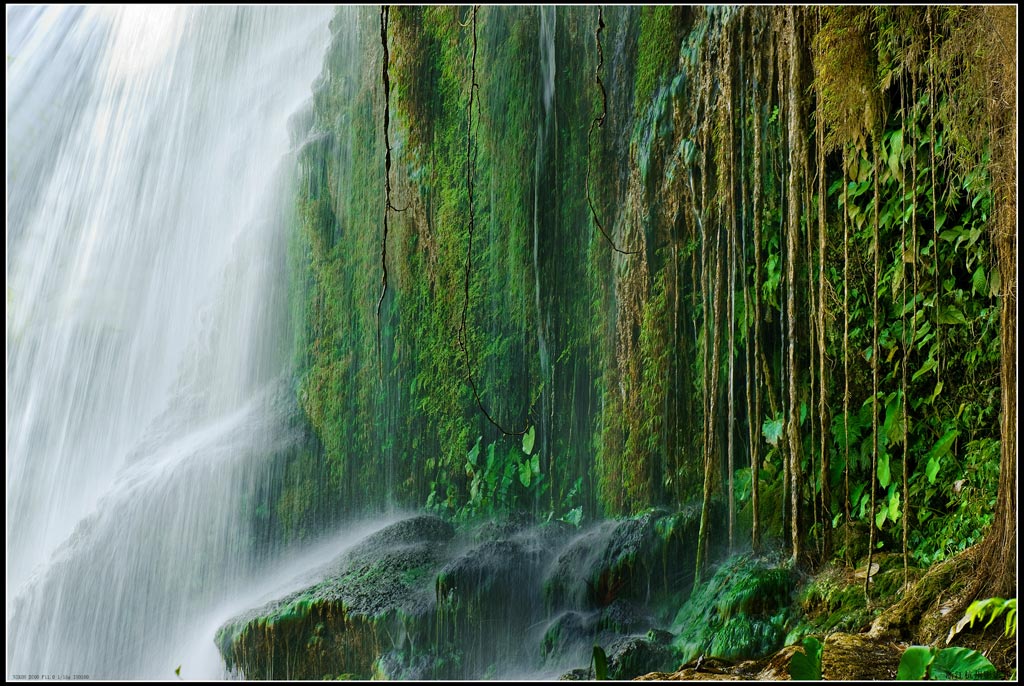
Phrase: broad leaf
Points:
(962, 664)
(574, 516)
(474, 452)
(894, 506)
(995, 283)
(979, 282)
(525, 473)
(951, 315)
(893, 426)
(528, 439)
(884, 476)
(942, 447)
(806, 666)
(914, 663)
(932, 470)
(928, 366)
(772, 430)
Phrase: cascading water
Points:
(147, 325)
(546, 37)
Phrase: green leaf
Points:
(525, 473)
(932, 470)
(942, 447)
(995, 283)
(574, 516)
(535, 464)
(951, 315)
(914, 663)
(600, 664)
(474, 452)
(884, 475)
(528, 439)
(894, 507)
(806, 666)
(961, 664)
(880, 517)
(897, 281)
(979, 282)
(928, 366)
(893, 426)
(772, 430)
(896, 149)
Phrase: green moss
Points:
(616, 403)
(661, 34)
(739, 613)
(742, 637)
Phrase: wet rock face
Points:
(631, 656)
(418, 600)
(367, 599)
(485, 604)
(640, 559)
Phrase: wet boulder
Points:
(632, 656)
(646, 558)
(375, 597)
(487, 597)
(739, 613)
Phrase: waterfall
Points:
(546, 37)
(147, 325)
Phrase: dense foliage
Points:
(796, 308)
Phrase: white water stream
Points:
(147, 326)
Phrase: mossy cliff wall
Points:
(759, 240)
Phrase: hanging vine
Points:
(756, 201)
(826, 519)
(792, 239)
(874, 369)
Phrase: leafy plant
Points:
(991, 608)
(926, 662)
(600, 661)
(806, 666)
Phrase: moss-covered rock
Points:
(631, 656)
(644, 558)
(858, 657)
(377, 595)
(485, 602)
(739, 613)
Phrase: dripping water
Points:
(547, 85)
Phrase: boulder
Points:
(377, 596)
(631, 656)
(644, 558)
(859, 657)
(739, 613)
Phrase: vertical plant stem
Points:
(792, 240)
(755, 457)
(874, 370)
